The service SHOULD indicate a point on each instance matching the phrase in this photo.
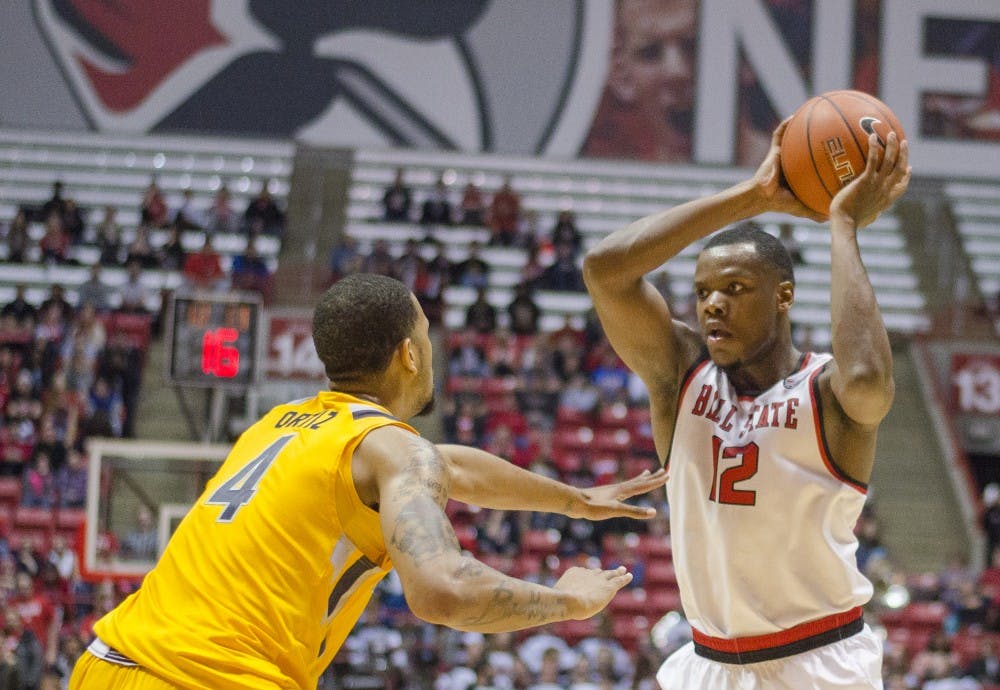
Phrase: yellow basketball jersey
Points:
(274, 564)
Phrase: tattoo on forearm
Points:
(515, 601)
(422, 531)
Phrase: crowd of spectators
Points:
(70, 370)
(539, 399)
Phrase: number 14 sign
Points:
(291, 354)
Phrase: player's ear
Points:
(785, 295)
(407, 355)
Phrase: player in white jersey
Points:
(769, 449)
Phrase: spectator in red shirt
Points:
(154, 206)
(55, 242)
(203, 269)
(505, 215)
(37, 612)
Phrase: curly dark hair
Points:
(358, 322)
(768, 247)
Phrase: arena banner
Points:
(975, 399)
(290, 354)
(700, 81)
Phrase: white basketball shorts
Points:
(854, 663)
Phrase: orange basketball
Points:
(826, 143)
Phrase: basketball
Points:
(826, 143)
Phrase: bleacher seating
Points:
(975, 207)
(605, 196)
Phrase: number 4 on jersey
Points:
(236, 492)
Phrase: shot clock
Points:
(213, 340)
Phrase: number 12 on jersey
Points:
(726, 482)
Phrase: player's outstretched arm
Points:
(861, 379)
(442, 585)
(486, 480)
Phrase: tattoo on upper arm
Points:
(426, 472)
(422, 530)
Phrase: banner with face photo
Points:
(680, 81)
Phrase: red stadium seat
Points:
(10, 490)
(573, 631)
(928, 615)
(573, 438)
(660, 573)
(566, 416)
(70, 518)
(629, 601)
(613, 440)
(660, 601)
(629, 629)
(34, 517)
(613, 417)
(540, 542)
(652, 547)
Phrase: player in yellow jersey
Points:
(316, 502)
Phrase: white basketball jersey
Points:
(762, 520)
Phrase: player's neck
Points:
(757, 375)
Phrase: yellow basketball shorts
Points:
(92, 673)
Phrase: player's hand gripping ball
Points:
(826, 143)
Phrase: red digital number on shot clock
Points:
(218, 357)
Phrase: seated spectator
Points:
(580, 395)
(473, 205)
(104, 410)
(153, 208)
(505, 215)
(55, 243)
(71, 481)
(610, 376)
(503, 357)
(473, 271)
(55, 436)
(250, 271)
(396, 200)
(565, 232)
(18, 240)
(51, 328)
(263, 214)
(20, 309)
(220, 216)
(203, 269)
(57, 299)
(94, 291)
(380, 260)
(24, 657)
(468, 358)
(188, 216)
(345, 259)
(140, 250)
(985, 665)
(142, 540)
(466, 423)
(109, 238)
(787, 237)
(171, 255)
(55, 203)
(481, 316)
(563, 275)
(36, 609)
(499, 532)
(436, 209)
(524, 312)
(438, 277)
(535, 263)
(73, 224)
(38, 487)
(411, 267)
(134, 294)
